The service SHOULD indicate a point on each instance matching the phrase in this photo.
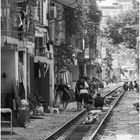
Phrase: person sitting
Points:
(136, 86)
(99, 101)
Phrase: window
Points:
(39, 42)
(52, 4)
(45, 39)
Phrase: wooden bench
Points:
(4, 111)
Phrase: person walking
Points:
(63, 90)
(85, 98)
(131, 87)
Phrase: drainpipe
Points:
(51, 26)
(25, 73)
(51, 83)
(16, 65)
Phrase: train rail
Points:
(78, 129)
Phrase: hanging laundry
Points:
(46, 67)
(23, 15)
(48, 46)
(39, 73)
(43, 68)
(20, 72)
(20, 21)
(20, 28)
(21, 90)
(27, 18)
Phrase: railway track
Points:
(77, 129)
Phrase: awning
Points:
(42, 60)
(78, 50)
(69, 3)
(39, 32)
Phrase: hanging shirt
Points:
(83, 91)
(20, 72)
(86, 85)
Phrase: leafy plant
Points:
(63, 57)
(123, 28)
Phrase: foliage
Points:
(63, 57)
(106, 43)
(119, 28)
(76, 23)
(108, 59)
(77, 20)
(32, 101)
(70, 21)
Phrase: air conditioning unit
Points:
(52, 12)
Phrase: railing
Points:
(9, 28)
(18, 35)
(43, 52)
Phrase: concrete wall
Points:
(45, 11)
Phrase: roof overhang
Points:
(42, 60)
(68, 3)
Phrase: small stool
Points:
(55, 110)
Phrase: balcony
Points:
(21, 36)
(43, 52)
(9, 28)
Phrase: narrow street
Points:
(61, 58)
(124, 121)
(43, 126)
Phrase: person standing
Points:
(21, 79)
(65, 96)
(63, 91)
(84, 94)
(131, 87)
(78, 87)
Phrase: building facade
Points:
(26, 52)
(112, 8)
(17, 45)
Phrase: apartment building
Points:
(58, 35)
(44, 59)
(26, 51)
(17, 45)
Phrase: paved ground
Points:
(43, 126)
(124, 122)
